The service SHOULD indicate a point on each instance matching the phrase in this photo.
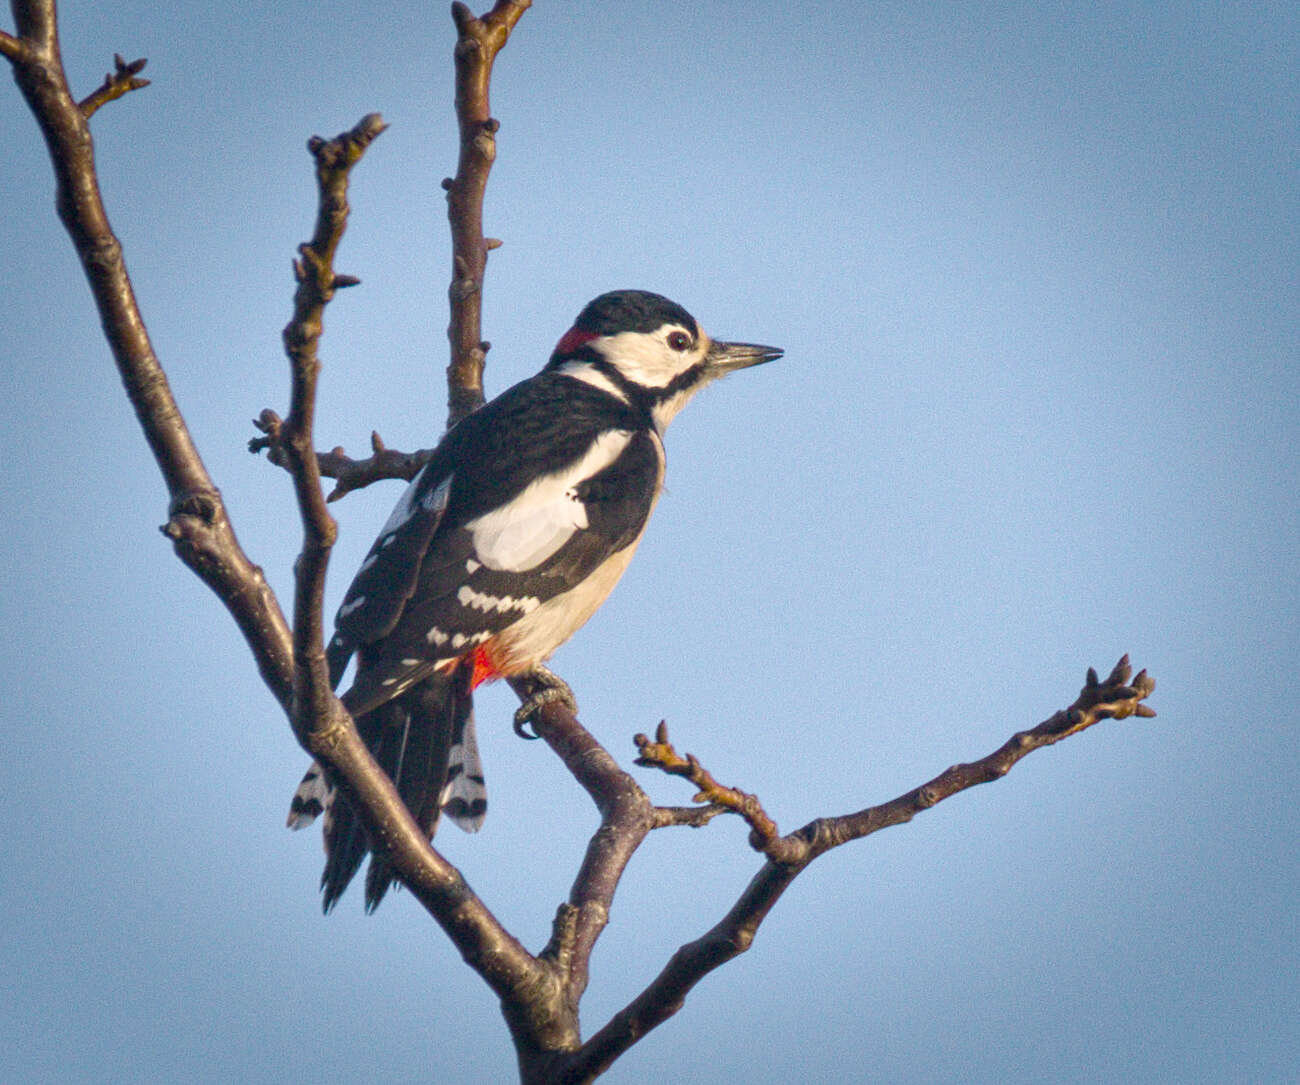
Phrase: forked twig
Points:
(122, 80)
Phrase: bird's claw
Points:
(553, 689)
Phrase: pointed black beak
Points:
(725, 358)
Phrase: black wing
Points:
(389, 574)
(476, 541)
(482, 577)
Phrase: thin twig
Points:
(10, 47)
(1117, 697)
(764, 835)
(317, 282)
(692, 817)
(122, 80)
(349, 474)
(319, 719)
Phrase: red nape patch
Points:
(484, 669)
(572, 340)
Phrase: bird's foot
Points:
(552, 689)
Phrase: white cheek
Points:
(647, 360)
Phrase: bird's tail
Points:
(424, 739)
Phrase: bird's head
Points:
(648, 350)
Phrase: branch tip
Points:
(462, 17)
(660, 754)
(10, 47)
(122, 80)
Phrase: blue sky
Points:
(1035, 270)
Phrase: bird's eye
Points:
(679, 341)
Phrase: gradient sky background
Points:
(1034, 266)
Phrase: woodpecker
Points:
(503, 545)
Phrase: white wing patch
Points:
(525, 532)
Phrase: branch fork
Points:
(660, 754)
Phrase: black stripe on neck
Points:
(641, 396)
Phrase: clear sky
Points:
(1034, 266)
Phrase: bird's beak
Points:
(725, 358)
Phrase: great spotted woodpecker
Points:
(503, 545)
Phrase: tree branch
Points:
(383, 463)
(478, 42)
(314, 272)
(627, 815)
(37, 26)
(660, 754)
(319, 719)
(201, 531)
(1115, 698)
(197, 522)
(349, 474)
(116, 83)
(10, 47)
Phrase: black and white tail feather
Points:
(435, 768)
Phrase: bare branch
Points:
(197, 522)
(314, 704)
(383, 463)
(478, 42)
(627, 815)
(1115, 698)
(202, 533)
(37, 26)
(692, 817)
(350, 474)
(116, 83)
